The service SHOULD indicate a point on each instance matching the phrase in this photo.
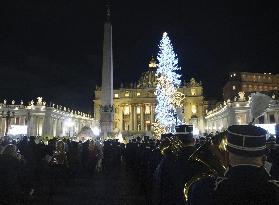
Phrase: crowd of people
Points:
(30, 167)
(238, 166)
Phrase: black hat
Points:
(184, 132)
(246, 140)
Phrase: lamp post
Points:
(8, 115)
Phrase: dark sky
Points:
(53, 48)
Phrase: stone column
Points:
(266, 118)
(30, 124)
(41, 125)
(131, 117)
(151, 114)
(142, 117)
(58, 127)
(2, 127)
(61, 127)
(35, 125)
(135, 118)
(54, 124)
(276, 116)
(46, 131)
(121, 117)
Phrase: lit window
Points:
(233, 87)
(193, 91)
(138, 94)
(138, 110)
(126, 110)
(234, 74)
(127, 94)
(116, 95)
(194, 109)
(147, 109)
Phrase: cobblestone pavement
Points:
(115, 188)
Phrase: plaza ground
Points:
(117, 187)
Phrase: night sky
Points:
(53, 48)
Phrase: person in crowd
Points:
(175, 167)
(246, 180)
(273, 157)
(10, 167)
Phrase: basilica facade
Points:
(134, 106)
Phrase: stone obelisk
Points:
(106, 120)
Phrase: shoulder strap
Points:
(275, 182)
(218, 181)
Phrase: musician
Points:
(175, 167)
(273, 157)
(246, 180)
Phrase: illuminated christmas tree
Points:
(167, 83)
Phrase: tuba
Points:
(212, 158)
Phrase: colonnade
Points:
(138, 118)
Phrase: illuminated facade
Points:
(134, 107)
(39, 119)
(237, 112)
(250, 82)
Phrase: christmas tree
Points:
(167, 83)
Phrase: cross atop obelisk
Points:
(106, 110)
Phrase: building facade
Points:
(134, 106)
(250, 82)
(40, 119)
(237, 112)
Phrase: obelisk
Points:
(106, 120)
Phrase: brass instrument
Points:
(171, 144)
(211, 156)
(165, 146)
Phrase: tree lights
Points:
(168, 99)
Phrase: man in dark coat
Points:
(176, 169)
(246, 181)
